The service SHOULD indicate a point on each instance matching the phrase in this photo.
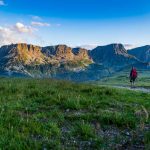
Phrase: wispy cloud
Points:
(36, 18)
(130, 46)
(88, 46)
(40, 24)
(20, 27)
(17, 33)
(2, 3)
(8, 36)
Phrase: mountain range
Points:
(64, 62)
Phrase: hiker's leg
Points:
(134, 82)
(131, 83)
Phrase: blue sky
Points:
(75, 22)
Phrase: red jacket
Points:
(133, 73)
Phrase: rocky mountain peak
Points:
(26, 47)
(119, 49)
(25, 53)
(111, 55)
(81, 53)
(64, 52)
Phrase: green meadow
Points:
(51, 114)
(122, 79)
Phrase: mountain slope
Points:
(113, 55)
(142, 53)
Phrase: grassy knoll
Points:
(50, 114)
(122, 79)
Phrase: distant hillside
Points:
(142, 53)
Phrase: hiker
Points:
(133, 76)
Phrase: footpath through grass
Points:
(50, 114)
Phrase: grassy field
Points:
(49, 114)
(122, 79)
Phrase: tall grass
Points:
(52, 114)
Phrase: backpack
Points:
(134, 73)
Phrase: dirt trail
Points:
(141, 89)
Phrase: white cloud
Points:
(17, 33)
(23, 28)
(8, 36)
(21, 33)
(88, 46)
(130, 46)
(40, 24)
(2, 3)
